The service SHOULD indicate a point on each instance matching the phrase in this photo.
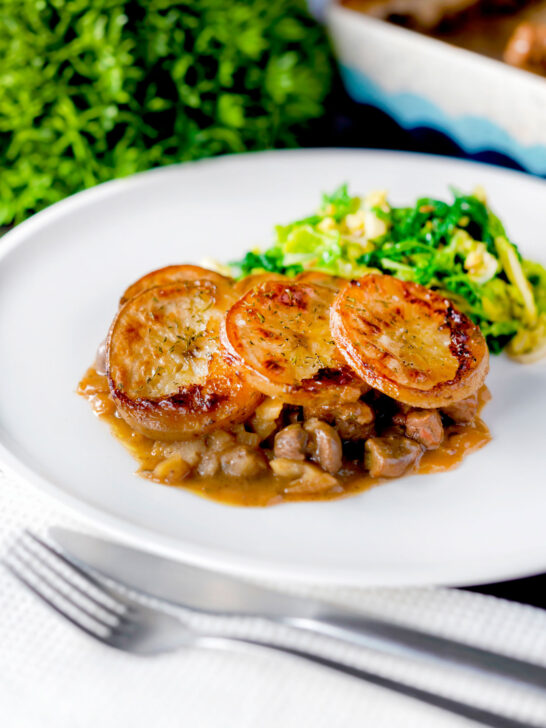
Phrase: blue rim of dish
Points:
(474, 134)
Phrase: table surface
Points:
(350, 124)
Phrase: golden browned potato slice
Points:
(279, 334)
(321, 279)
(173, 274)
(165, 371)
(245, 284)
(408, 342)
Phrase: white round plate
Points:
(61, 274)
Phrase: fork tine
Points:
(14, 571)
(85, 575)
(45, 576)
(51, 564)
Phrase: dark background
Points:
(349, 124)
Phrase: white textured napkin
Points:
(52, 676)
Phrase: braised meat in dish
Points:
(509, 30)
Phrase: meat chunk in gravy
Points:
(352, 420)
(291, 442)
(390, 456)
(304, 478)
(219, 440)
(242, 462)
(209, 465)
(309, 453)
(425, 426)
(324, 445)
(464, 411)
(172, 470)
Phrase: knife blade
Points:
(219, 594)
(176, 582)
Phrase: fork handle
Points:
(471, 712)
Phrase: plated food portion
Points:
(289, 388)
(352, 350)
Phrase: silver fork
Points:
(125, 624)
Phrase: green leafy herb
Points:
(96, 89)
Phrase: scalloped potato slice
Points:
(165, 369)
(173, 274)
(408, 341)
(279, 334)
(321, 279)
(254, 279)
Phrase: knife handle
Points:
(380, 634)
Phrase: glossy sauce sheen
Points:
(460, 441)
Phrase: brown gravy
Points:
(460, 441)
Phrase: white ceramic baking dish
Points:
(482, 104)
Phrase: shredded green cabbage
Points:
(459, 248)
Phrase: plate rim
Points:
(213, 558)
